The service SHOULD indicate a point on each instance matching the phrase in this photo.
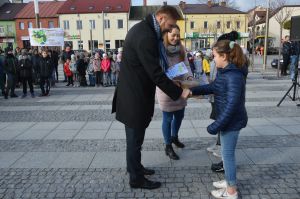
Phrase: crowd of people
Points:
(27, 68)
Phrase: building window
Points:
(107, 44)
(218, 24)
(21, 26)
(93, 43)
(238, 24)
(106, 24)
(205, 24)
(79, 24)
(66, 25)
(30, 25)
(2, 29)
(51, 24)
(192, 24)
(228, 24)
(120, 23)
(9, 28)
(80, 44)
(92, 24)
(40, 24)
(119, 43)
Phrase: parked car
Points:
(274, 63)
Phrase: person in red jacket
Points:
(68, 72)
(105, 67)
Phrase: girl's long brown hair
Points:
(166, 42)
(234, 55)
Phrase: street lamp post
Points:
(266, 37)
(36, 11)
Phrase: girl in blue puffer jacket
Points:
(231, 116)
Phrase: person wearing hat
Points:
(10, 69)
(26, 68)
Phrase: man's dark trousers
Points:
(134, 141)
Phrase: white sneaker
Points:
(213, 148)
(220, 184)
(223, 194)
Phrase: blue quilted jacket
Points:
(229, 92)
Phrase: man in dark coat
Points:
(143, 66)
(25, 66)
(11, 70)
(286, 54)
(45, 69)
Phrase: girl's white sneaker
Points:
(220, 184)
(223, 194)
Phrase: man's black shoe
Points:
(13, 96)
(145, 184)
(148, 171)
(218, 167)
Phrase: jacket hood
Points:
(232, 67)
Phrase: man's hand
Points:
(186, 93)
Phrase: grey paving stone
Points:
(202, 132)
(292, 152)
(44, 126)
(267, 156)
(71, 125)
(4, 124)
(35, 160)
(292, 129)
(93, 125)
(116, 125)
(259, 122)
(109, 160)
(91, 134)
(8, 158)
(270, 130)
(155, 159)
(73, 160)
(62, 135)
(152, 133)
(33, 134)
(248, 131)
(8, 134)
(191, 158)
(115, 134)
(283, 121)
(201, 123)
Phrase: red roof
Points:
(94, 6)
(47, 9)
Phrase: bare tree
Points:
(281, 14)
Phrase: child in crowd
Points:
(229, 89)
(105, 67)
(68, 72)
(206, 65)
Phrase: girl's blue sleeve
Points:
(203, 90)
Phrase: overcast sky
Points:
(242, 4)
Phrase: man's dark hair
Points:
(169, 10)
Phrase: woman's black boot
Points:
(170, 152)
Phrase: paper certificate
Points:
(177, 70)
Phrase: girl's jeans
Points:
(228, 144)
(171, 124)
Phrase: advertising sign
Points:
(46, 37)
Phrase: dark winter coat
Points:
(229, 92)
(25, 66)
(67, 55)
(10, 65)
(35, 59)
(45, 67)
(141, 72)
(81, 67)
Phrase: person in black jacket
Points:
(229, 89)
(286, 54)
(143, 68)
(45, 69)
(11, 70)
(25, 66)
(81, 68)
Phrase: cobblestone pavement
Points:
(70, 146)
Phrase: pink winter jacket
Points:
(105, 65)
(165, 102)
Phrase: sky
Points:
(243, 5)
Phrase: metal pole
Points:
(266, 38)
(253, 38)
(103, 33)
(185, 30)
(36, 11)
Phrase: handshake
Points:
(186, 85)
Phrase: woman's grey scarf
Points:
(173, 50)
